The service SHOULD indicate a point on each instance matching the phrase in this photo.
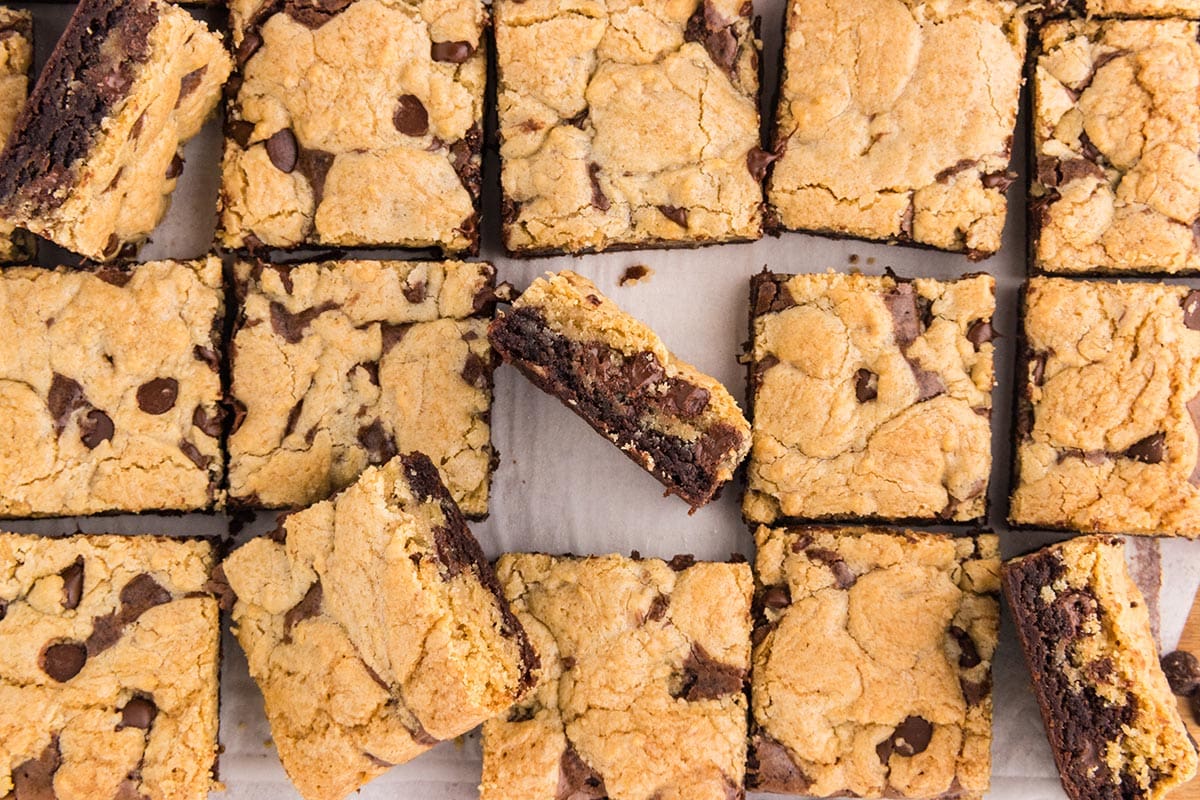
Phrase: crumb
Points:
(854, 258)
(870, 259)
(638, 273)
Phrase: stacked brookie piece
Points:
(357, 394)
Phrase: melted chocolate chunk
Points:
(968, 653)
(1191, 310)
(770, 767)
(961, 166)
(307, 608)
(776, 597)
(999, 180)
(477, 371)
(901, 303)
(981, 332)
(757, 162)
(72, 578)
(209, 423)
(410, 117)
(712, 30)
(63, 660)
(910, 738)
(842, 573)
(378, 442)
(34, 779)
(194, 455)
(599, 200)
(94, 428)
(249, 46)
(705, 678)
(137, 597)
(314, 165)
(292, 326)
(189, 83)
(313, 14)
(65, 397)
(283, 150)
(175, 168)
(633, 274)
(770, 296)
(292, 417)
(414, 292)
(975, 692)
(114, 276)
(577, 780)
(158, 396)
(866, 385)
(658, 608)
(1183, 672)
(685, 399)
(676, 214)
(139, 713)
(451, 52)
(1149, 450)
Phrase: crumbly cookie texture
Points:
(871, 397)
(1112, 721)
(628, 124)
(357, 681)
(110, 389)
(94, 156)
(337, 365)
(109, 653)
(872, 663)
(355, 123)
(1116, 134)
(1107, 409)
(16, 63)
(680, 425)
(641, 690)
(895, 120)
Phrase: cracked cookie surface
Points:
(109, 651)
(641, 689)
(872, 663)
(16, 64)
(109, 389)
(358, 681)
(1113, 723)
(355, 123)
(895, 120)
(337, 365)
(95, 155)
(1116, 135)
(1107, 409)
(628, 123)
(871, 397)
(680, 425)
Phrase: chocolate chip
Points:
(292, 326)
(842, 573)
(641, 370)
(676, 214)
(208, 423)
(139, 713)
(410, 117)
(314, 165)
(371, 368)
(1148, 450)
(901, 303)
(776, 597)
(770, 296)
(3, 609)
(293, 417)
(577, 780)
(633, 274)
(65, 397)
(949, 172)
(599, 200)
(682, 561)
(866, 385)
(451, 52)
(194, 455)
(975, 692)
(757, 161)
(477, 371)
(72, 578)
(415, 292)
(968, 656)
(658, 607)
(94, 428)
(308, 607)
(237, 410)
(980, 332)
(392, 334)
(240, 131)
(1037, 368)
(63, 660)
(114, 276)
(686, 399)
(282, 149)
(379, 443)
(158, 396)
(1090, 151)
(249, 46)
(705, 678)
(175, 168)
(1183, 672)
(710, 29)
(218, 586)
(1191, 310)
(34, 779)
(771, 767)
(520, 714)
(910, 738)
(140, 595)
(189, 83)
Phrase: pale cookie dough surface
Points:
(1116, 135)
(871, 397)
(16, 61)
(1113, 723)
(896, 118)
(1107, 409)
(109, 653)
(357, 681)
(640, 695)
(872, 663)
(628, 124)
(337, 365)
(110, 389)
(356, 124)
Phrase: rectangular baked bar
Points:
(111, 389)
(1107, 409)
(641, 692)
(873, 663)
(94, 156)
(109, 655)
(1116, 183)
(1112, 721)
(337, 365)
(628, 126)
(681, 426)
(375, 627)
(16, 66)
(355, 123)
(871, 397)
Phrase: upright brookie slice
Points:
(680, 425)
(16, 63)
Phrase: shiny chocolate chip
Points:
(283, 150)
(1183, 672)
(63, 660)
(968, 653)
(706, 678)
(94, 428)
(776, 597)
(451, 52)
(410, 117)
(676, 214)
(1191, 310)
(981, 332)
(1149, 450)
(911, 737)
(866, 385)
(139, 712)
(158, 396)
(72, 578)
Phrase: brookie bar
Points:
(16, 64)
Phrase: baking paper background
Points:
(560, 487)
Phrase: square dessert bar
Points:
(110, 389)
(16, 64)
(339, 365)
(871, 397)
(628, 125)
(355, 123)
(896, 118)
(872, 663)
(357, 681)
(1108, 408)
(94, 156)
(641, 693)
(1116, 180)
(680, 425)
(1113, 724)
(109, 653)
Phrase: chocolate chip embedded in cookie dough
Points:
(705, 678)
(66, 395)
(158, 396)
(63, 660)
(1149, 450)
(866, 385)
(410, 117)
(451, 52)
(95, 427)
(72, 578)
(283, 150)
(676, 214)
(139, 712)
(911, 737)
(307, 608)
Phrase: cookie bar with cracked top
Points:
(110, 389)
(95, 154)
(357, 681)
(16, 63)
(895, 120)
(109, 654)
(681, 426)
(1108, 408)
(337, 365)
(628, 125)
(871, 397)
(872, 663)
(1112, 722)
(355, 123)
(641, 691)
(1116, 132)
